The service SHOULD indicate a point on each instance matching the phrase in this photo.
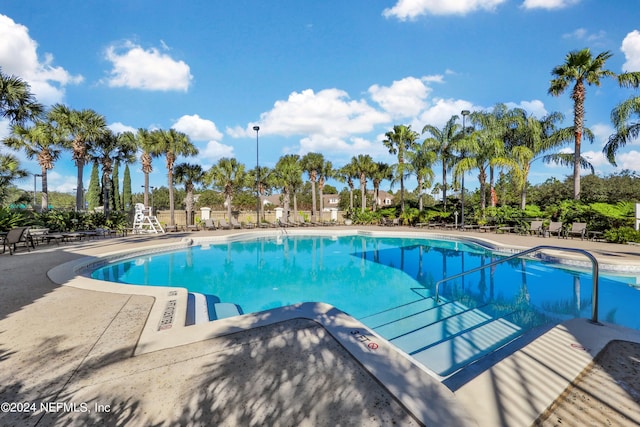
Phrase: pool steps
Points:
(448, 335)
(444, 335)
(203, 308)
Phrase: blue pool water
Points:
(389, 283)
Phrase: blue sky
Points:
(330, 76)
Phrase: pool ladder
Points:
(594, 264)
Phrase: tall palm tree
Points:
(399, 141)
(229, 177)
(189, 175)
(363, 166)
(382, 172)
(621, 117)
(529, 141)
(172, 144)
(108, 149)
(580, 67)
(17, 103)
(346, 174)
(142, 140)
(421, 160)
(38, 142)
(79, 128)
(440, 141)
(288, 176)
(325, 172)
(311, 162)
(264, 185)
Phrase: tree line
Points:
(503, 139)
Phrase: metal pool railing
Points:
(594, 263)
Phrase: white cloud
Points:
(197, 128)
(411, 9)
(535, 107)
(630, 160)
(404, 98)
(137, 68)
(329, 112)
(601, 133)
(631, 49)
(18, 56)
(215, 151)
(441, 111)
(596, 158)
(338, 147)
(583, 34)
(548, 4)
(61, 183)
(118, 127)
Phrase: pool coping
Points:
(163, 328)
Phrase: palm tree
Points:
(528, 141)
(580, 67)
(172, 144)
(311, 162)
(346, 174)
(382, 172)
(421, 161)
(229, 177)
(38, 142)
(264, 186)
(79, 129)
(440, 143)
(363, 166)
(189, 175)
(325, 172)
(287, 175)
(399, 141)
(484, 148)
(9, 171)
(142, 140)
(107, 150)
(621, 115)
(17, 103)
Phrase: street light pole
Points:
(257, 128)
(464, 113)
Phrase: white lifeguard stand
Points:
(144, 221)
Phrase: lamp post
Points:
(35, 175)
(464, 113)
(257, 129)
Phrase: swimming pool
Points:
(388, 284)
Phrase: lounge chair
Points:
(209, 225)
(555, 227)
(536, 228)
(235, 224)
(224, 224)
(17, 235)
(578, 229)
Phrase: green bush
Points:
(11, 218)
(622, 235)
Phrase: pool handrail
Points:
(594, 263)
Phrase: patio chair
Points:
(235, 224)
(224, 224)
(17, 235)
(555, 227)
(578, 229)
(536, 228)
(209, 225)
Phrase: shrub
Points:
(622, 235)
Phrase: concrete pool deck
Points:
(62, 345)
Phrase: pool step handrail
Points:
(594, 263)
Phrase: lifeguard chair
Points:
(144, 221)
